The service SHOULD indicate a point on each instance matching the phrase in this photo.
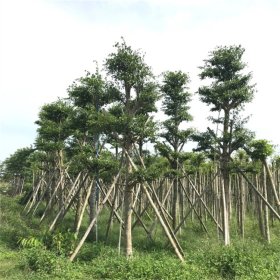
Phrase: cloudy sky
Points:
(46, 44)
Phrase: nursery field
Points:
(110, 190)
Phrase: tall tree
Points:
(17, 169)
(175, 106)
(89, 95)
(229, 90)
(134, 78)
(261, 150)
(53, 131)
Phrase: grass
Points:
(206, 258)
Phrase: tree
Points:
(229, 91)
(17, 169)
(129, 120)
(89, 95)
(261, 150)
(53, 128)
(53, 131)
(175, 106)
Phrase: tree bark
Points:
(128, 203)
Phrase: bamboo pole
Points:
(260, 195)
(100, 207)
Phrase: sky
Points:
(46, 44)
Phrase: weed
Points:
(61, 243)
(30, 242)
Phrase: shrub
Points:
(244, 262)
(61, 243)
(40, 259)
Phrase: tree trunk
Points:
(269, 175)
(242, 206)
(225, 216)
(128, 203)
(265, 208)
(225, 159)
(175, 203)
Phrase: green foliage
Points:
(13, 225)
(207, 142)
(240, 137)
(213, 144)
(53, 125)
(241, 160)
(117, 112)
(230, 88)
(85, 123)
(227, 93)
(223, 63)
(18, 163)
(175, 106)
(86, 159)
(127, 121)
(127, 67)
(176, 96)
(62, 243)
(152, 267)
(149, 173)
(12, 265)
(205, 257)
(147, 95)
(260, 149)
(90, 91)
(197, 162)
(243, 262)
(43, 261)
(276, 161)
(139, 126)
(30, 242)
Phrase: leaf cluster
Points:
(260, 149)
(127, 66)
(230, 89)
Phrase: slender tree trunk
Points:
(225, 218)
(261, 196)
(110, 221)
(175, 203)
(225, 159)
(78, 221)
(100, 207)
(269, 175)
(79, 207)
(265, 208)
(128, 203)
(242, 206)
(225, 207)
(258, 205)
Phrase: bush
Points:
(244, 262)
(39, 259)
(41, 264)
(144, 266)
(61, 243)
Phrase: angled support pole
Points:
(260, 195)
(166, 227)
(93, 221)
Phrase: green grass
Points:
(45, 257)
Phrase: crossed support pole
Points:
(158, 211)
(153, 201)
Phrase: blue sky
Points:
(46, 44)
